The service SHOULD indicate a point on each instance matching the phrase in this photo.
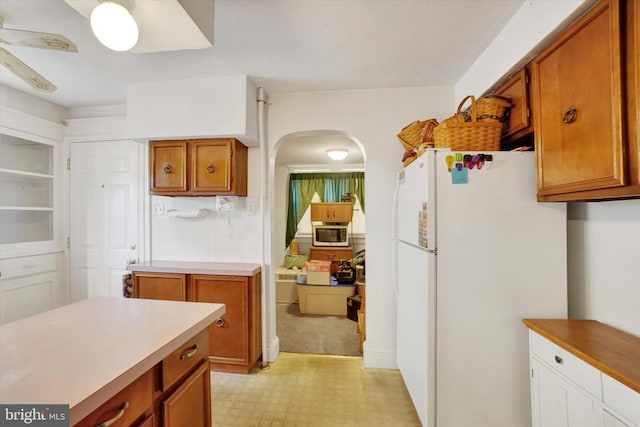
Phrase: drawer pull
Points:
(190, 353)
(558, 360)
(167, 169)
(220, 322)
(117, 417)
(211, 168)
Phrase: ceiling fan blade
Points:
(25, 72)
(37, 39)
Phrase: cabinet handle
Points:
(189, 353)
(117, 417)
(211, 168)
(167, 169)
(220, 322)
(558, 360)
(570, 115)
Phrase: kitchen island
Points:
(88, 353)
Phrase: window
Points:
(330, 187)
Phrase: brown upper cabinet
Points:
(518, 122)
(200, 167)
(586, 107)
(332, 212)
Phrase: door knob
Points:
(131, 261)
(132, 246)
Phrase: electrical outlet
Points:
(158, 209)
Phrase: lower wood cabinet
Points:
(174, 393)
(235, 340)
(190, 403)
(126, 408)
(164, 286)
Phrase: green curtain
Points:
(329, 186)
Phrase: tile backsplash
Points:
(192, 229)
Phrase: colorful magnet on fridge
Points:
(488, 158)
(460, 176)
(466, 159)
(480, 161)
(449, 160)
(474, 161)
(458, 157)
(459, 166)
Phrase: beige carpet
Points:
(315, 333)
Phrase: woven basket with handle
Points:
(417, 133)
(473, 135)
(492, 108)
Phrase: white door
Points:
(104, 219)
(416, 277)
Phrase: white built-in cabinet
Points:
(31, 243)
(568, 392)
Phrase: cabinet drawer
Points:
(565, 363)
(26, 266)
(331, 254)
(183, 359)
(621, 398)
(125, 407)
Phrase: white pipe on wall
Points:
(265, 222)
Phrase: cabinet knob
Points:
(220, 322)
(570, 115)
(558, 360)
(211, 168)
(167, 169)
(131, 261)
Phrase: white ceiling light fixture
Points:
(113, 25)
(337, 153)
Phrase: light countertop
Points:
(83, 353)
(610, 350)
(194, 267)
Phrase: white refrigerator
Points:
(491, 257)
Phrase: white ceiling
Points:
(282, 45)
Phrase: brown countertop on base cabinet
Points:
(235, 340)
(610, 350)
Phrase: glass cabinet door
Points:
(26, 190)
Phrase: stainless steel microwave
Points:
(330, 235)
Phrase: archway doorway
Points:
(319, 330)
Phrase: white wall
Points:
(217, 236)
(604, 237)
(372, 117)
(604, 263)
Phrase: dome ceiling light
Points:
(113, 25)
(337, 153)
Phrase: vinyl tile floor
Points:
(312, 390)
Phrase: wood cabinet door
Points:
(516, 89)
(163, 286)
(168, 166)
(211, 165)
(331, 212)
(577, 95)
(229, 337)
(190, 404)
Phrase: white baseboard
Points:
(379, 359)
